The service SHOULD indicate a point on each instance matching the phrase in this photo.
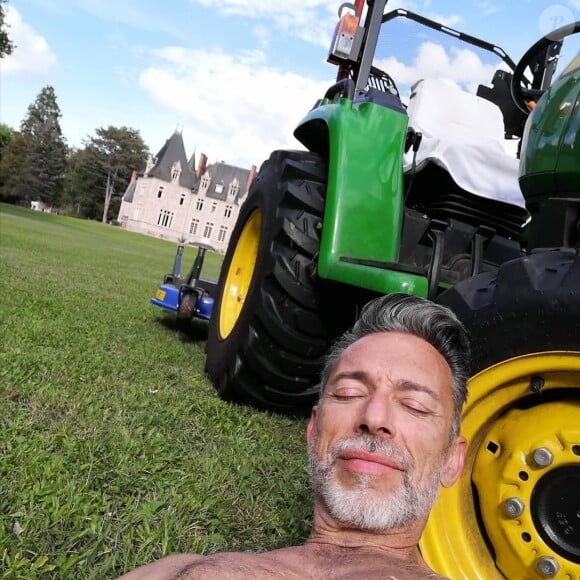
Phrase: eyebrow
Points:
(412, 386)
(357, 375)
(404, 385)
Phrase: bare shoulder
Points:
(226, 566)
(288, 563)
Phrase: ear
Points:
(454, 462)
(310, 430)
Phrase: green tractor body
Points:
(550, 151)
(550, 173)
(347, 132)
(364, 211)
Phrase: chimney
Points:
(201, 165)
(251, 177)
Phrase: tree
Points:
(34, 162)
(100, 173)
(82, 180)
(6, 135)
(12, 154)
(6, 45)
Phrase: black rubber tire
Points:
(273, 356)
(531, 304)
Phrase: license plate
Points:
(160, 294)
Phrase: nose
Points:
(377, 417)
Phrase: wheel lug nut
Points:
(542, 457)
(513, 507)
(547, 567)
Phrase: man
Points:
(382, 439)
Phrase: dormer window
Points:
(219, 187)
(175, 171)
(234, 188)
(205, 182)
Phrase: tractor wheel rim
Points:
(240, 273)
(522, 422)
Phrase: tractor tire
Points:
(269, 330)
(515, 511)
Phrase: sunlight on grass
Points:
(114, 448)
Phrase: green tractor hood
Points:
(550, 158)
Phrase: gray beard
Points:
(361, 508)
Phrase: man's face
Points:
(379, 442)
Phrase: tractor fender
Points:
(363, 143)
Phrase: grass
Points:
(114, 448)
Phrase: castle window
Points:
(207, 231)
(199, 205)
(160, 192)
(222, 233)
(205, 182)
(228, 211)
(219, 187)
(175, 171)
(193, 227)
(234, 188)
(182, 199)
(213, 206)
(165, 218)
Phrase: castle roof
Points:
(222, 175)
(172, 153)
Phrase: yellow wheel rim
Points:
(240, 274)
(515, 409)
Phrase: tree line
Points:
(37, 165)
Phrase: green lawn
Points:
(114, 449)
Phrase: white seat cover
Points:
(464, 134)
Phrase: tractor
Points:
(423, 198)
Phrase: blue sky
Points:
(235, 76)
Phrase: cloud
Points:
(461, 66)
(238, 107)
(32, 55)
(309, 20)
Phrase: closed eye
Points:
(348, 393)
(416, 407)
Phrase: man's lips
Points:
(372, 463)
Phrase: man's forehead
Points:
(385, 343)
(410, 358)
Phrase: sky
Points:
(234, 76)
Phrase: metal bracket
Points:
(483, 235)
(435, 236)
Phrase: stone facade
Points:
(176, 200)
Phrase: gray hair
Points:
(408, 314)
